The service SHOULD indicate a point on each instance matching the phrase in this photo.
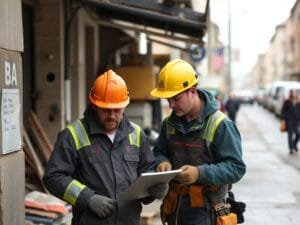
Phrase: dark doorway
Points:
(28, 61)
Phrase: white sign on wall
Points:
(10, 118)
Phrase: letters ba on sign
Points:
(10, 110)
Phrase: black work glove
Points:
(158, 190)
(101, 205)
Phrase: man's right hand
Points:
(163, 166)
(102, 206)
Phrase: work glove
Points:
(158, 190)
(101, 205)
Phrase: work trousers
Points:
(189, 216)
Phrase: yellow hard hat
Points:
(175, 77)
(109, 91)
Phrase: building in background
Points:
(281, 61)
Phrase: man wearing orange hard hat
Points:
(98, 157)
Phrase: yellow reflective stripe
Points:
(73, 191)
(79, 134)
(138, 134)
(214, 126)
(75, 136)
(83, 136)
(213, 122)
(207, 128)
(135, 136)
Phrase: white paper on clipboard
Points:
(138, 189)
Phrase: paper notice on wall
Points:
(10, 118)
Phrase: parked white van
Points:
(282, 93)
(272, 93)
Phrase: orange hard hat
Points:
(109, 91)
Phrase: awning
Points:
(167, 16)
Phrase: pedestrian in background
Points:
(232, 106)
(291, 117)
(221, 103)
(97, 157)
(297, 122)
(199, 139)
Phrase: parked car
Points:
(282, 93)
(245, 96)
(266, 96)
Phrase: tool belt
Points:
(196, 194)
(176, 190)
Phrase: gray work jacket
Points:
(78, 169)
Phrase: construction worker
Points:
(97, 157)
(199, 139)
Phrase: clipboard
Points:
(138, 188)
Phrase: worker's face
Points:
(182, 103)
(109, 119)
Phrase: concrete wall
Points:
(49, 65)
(12, 165)
(84, 61)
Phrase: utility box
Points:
(140, 81)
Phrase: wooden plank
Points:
(39, 137)
(31, 157)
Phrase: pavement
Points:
(271, 185)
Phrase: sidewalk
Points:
(271, 186)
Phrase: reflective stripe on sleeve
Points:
(73, 191)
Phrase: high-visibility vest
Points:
(81, 139)
(211, 126)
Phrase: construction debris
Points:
(45, 209)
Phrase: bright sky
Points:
(253, 24)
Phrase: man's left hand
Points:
(189, 174)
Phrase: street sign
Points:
(197, 53)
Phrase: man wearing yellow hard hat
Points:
(99, 156)
(199, 139)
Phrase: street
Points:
(271, 186)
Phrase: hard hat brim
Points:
(106, 105)
(164, 94)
